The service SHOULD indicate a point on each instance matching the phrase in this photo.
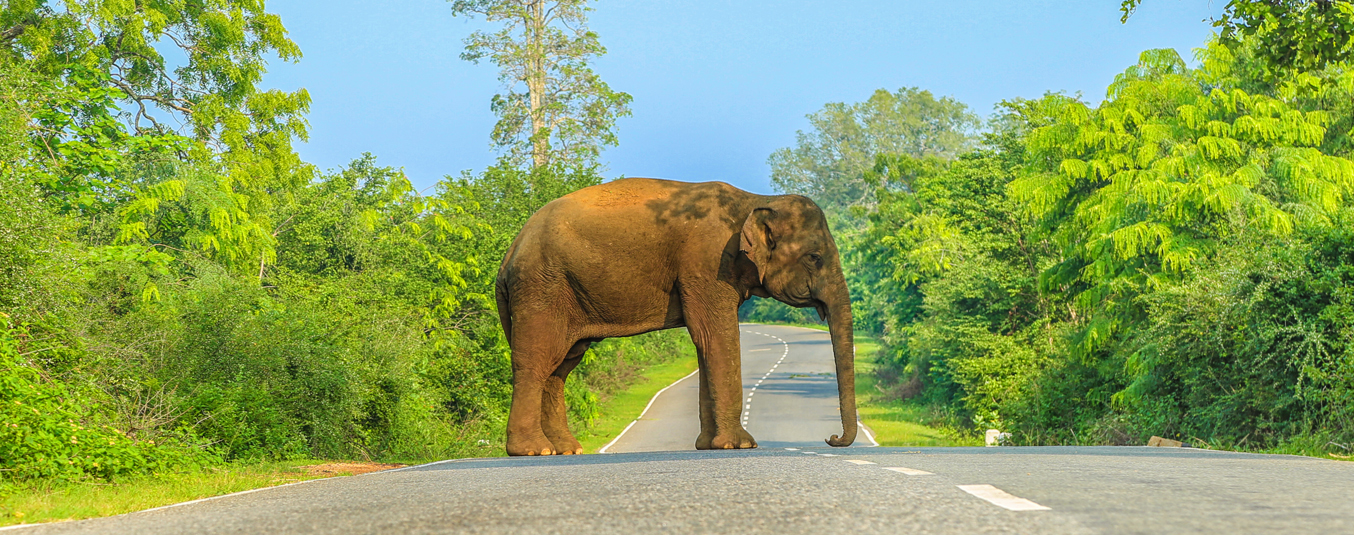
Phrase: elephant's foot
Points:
(703, 441)
(530, 446)
(738, 439)
(566, 445)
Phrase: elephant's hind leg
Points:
(537, 350)
(554, 413)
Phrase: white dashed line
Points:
(858, 461)
(1001, 498)
(791, 449)
(784, 353)
(909, 471)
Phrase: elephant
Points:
(636, 255)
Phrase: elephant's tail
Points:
(501, 293)
(501, 296)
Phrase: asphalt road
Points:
(789, 394)
(805, 488)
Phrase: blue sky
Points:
(718, 85)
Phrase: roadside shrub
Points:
(52, 430)
(1254, 349)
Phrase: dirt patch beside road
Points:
(346, 469)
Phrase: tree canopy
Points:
(556, 109)
(828, 161)
(1298, 35)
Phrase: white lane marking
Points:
(645, 411)
(418, 466)
(1001, 498)
(785, 352)
(827, 455)
(857, 461)
(791, 449)
(809, 452)
(762, 349)
(861, 425)
(909, 471)
(240, 493)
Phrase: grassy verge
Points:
(52, 502)
(616, 413)
(894, 422)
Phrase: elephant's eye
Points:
(814, 259)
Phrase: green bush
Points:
(1253, 349)
(51, 430)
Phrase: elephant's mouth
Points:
(801, 298)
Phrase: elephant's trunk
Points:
(837, 304)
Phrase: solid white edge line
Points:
(646, 410)
(211, 498)
(1001, 498)
(868, 434)
(224, 496)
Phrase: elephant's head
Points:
(797, 263)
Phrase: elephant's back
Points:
(654, 202)
(634, 218)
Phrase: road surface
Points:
(789, 393)
(799, 485)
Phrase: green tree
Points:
(556, 110)
(121, 132)
(1298, 35)
(828, 162)
(1141, 188)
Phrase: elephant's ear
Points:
(758, 240)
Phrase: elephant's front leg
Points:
(707, 405)
(716, 343)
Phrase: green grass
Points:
(616, 413)
(51, 502)
(895, 422)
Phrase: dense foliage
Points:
(1172, 261)
(178, 288)
(181, 296)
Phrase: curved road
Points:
(789, 397)
(793, 484)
